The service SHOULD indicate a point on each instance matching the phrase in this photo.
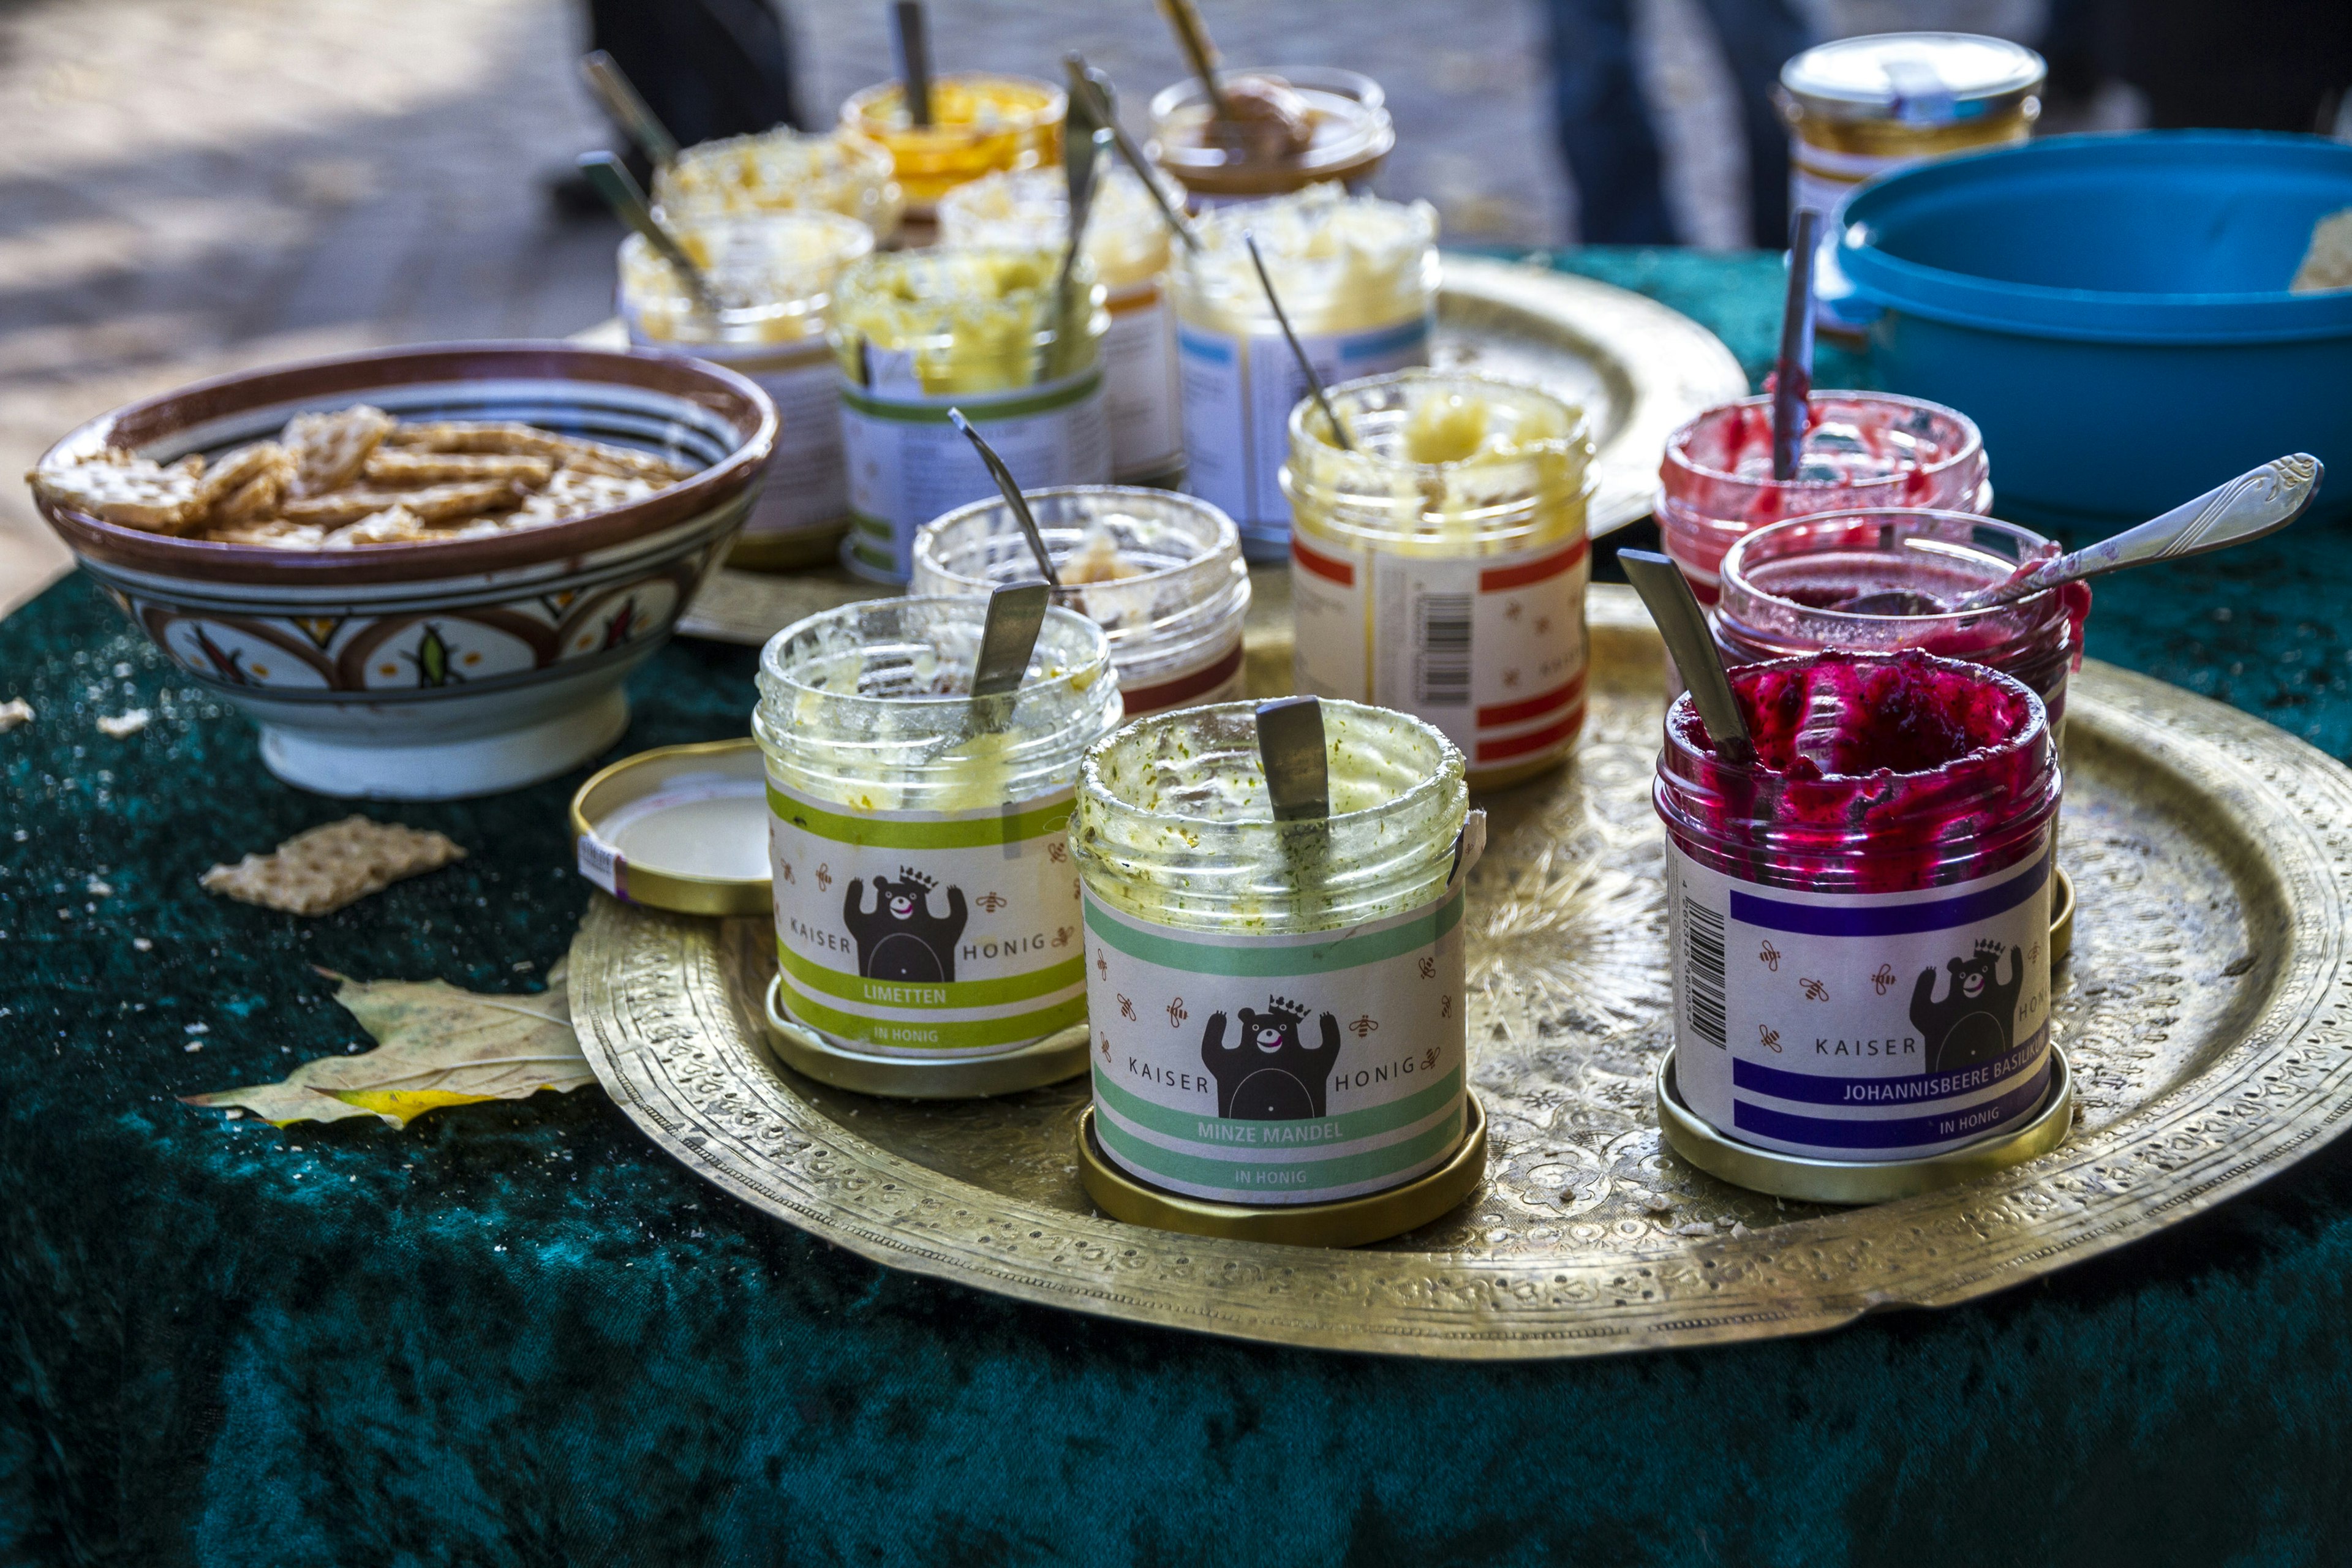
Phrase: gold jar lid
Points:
(1912, 79)
(1842, 1182)
(680, 827)
(1343, 1222)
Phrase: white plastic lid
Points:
(1923, 78)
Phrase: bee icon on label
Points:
(1884, 978)
(1815, 990)
(1771, 1036)
(1770, 955)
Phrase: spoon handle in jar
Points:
(1793, 370)
(2259, 501)
(627, 106)
(1683, 624)
(1016, 613)
(1014, 502)
(1088, 88)
(1291, 749)
(913, 38)
(619, 188)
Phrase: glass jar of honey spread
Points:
(916, 333)
(1789, 589)
(1160, 572)
(980, 122)
(1857, 108)
(1859, 914)
(784, 170)
(1277, 1006)
(1357, 278)
(926, 905)
(1294, 127)
(773, 274)
(1127, 241)
(1439, 567)
(1859, 450)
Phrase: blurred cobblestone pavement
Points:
(191, 186)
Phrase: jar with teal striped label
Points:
(1277, 1007)
(927, 905)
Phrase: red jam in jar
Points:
(1861, 449)
(1788, 590)
(1860, 916)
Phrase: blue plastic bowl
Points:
(2113, 312)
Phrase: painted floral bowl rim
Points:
(338, 381)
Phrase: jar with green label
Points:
(1277, 1006)
(1438, 562)
(1358, 277)
(917, 333)
(926, 902)
(773, 274)
(1128, 240)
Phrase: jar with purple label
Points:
(1879, 581)
(1860, 450)
(1859, 913)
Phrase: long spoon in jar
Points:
(2256, 503)
(1298, 350)
(1683, 624)
(613, 182)
(1793, 370)
(1090, 89)
(627, 105)
(1014, 502)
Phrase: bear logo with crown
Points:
(900, 938)
(1268, 1072)
(1977, 1020)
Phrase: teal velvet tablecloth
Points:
(515, 1333)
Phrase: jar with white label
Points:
(773, 274)
(1160, 572)
(1439, 568)
(917, 333)
(1358, 277)
(925, 904)
(782, 170)
(1857, 108)
(1278, 1007)
(1127, 241)
(1859, 916)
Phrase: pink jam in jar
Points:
(1861, 449)
(1860, 917)
(1788, 589)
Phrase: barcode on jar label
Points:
(1490, 648)
(1860, 1026)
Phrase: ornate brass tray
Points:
(2205, 1009)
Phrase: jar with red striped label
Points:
(1161, 573)
(1438, 560)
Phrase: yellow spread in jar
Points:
(1127, 239)
(980, 122)
(773, 274)
(783, 171)
(968, 321)
(1341, 263)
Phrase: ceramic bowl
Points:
(439, 671)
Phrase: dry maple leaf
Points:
(435, 1046)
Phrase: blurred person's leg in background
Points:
(2252, 64)
(1604, 125)
(1759, 37)
(706, 68)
